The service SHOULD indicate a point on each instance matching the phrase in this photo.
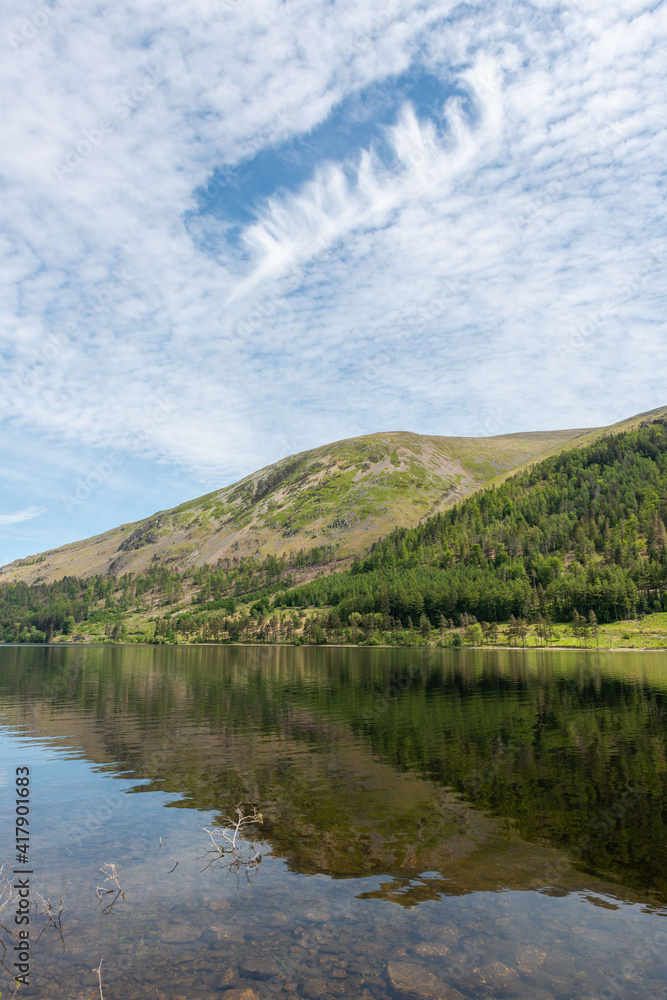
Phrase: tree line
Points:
(581, 532)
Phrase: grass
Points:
(647, 633)
(368, 484)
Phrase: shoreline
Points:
(331, 645)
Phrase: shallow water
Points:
(436, 823)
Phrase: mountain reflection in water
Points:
(443, 814)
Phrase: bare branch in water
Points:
(109, 870)
(50, 910)
(6, 893)
(6, 899)
(99, 976)
(231, 856)
(236, 826)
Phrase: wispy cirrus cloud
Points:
(21, 515)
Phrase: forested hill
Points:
(583, 530)
(343, 496)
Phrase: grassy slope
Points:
(344, 494)
(647, 633)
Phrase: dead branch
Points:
(109, 870)
(6, 894)
(229, 856)
(237, 826)
(99, 976)
(55, 916)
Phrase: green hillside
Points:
(582, 533)
(342, 496)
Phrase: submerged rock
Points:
(498, 976)
(179, 934)
(313, 988)
(530, 959)
(412, 980)
(228, 978)
(433, 948)
(259, 967)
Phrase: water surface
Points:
(446, 823)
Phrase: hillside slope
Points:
(582, 531)
(345, 495)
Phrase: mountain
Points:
(581, 532)
(342, 496)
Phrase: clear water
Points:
(437, 824)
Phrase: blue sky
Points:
(242, 229)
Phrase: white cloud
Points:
(511, 277)
(21, 515)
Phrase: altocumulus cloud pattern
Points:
(275, 224)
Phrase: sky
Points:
(232, 230)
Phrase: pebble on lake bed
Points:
(179, 934)
(414, 981)
(228, 978)
(496, 976)
(259, 967)
(432, 949)
(530, 959)
(313, 988)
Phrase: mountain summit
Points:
(342, 496)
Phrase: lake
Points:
(436, 823)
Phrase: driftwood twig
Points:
(109, 870)
(229, 855)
